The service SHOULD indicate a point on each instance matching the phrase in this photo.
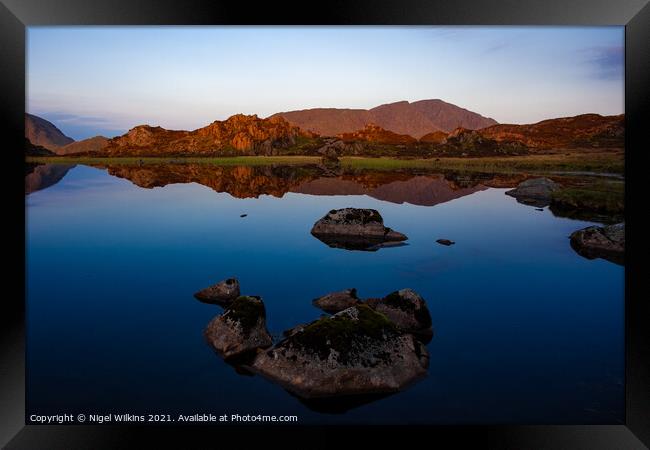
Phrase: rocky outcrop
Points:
(535, 191)
(238, 135)
(582, 131)
(354, 229)
(337, 301)
(241, 329)
(42, 133)
(601, 242)
(406, 310)
(464, 142)
(356, 351)
(435, 137)
(375, 134)
(223, 293)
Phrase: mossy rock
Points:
(246, 310)
(407, 310)
(341, 332)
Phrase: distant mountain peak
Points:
(415, 119)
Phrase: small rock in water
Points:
(337, 301)
(222, 293)
(406, 310)
(354, 229)
(243, 215)
(539, 209)
(534, 191)
(241, 329)
(445, 242)
(601, 242)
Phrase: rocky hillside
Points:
(435, 137)
(36, 150)
(414, 119)
(583, 131)
(90, 145)
(238, 135)
(42, 133)
(375, 134)
(464, 142)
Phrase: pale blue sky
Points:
(105, 80)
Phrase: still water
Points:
(526, 330)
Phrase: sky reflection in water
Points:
(526, 330)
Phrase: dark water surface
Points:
(526, 330)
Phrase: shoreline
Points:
(599, 164)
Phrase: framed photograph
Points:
(383, 220)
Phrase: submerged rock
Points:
(601, 242)
(535, 191)
(222, 293)
(445, 242)
(241, 329)
(406, 310)
(354, 229)
(337, 301)
(356, 351)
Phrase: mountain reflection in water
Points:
(422, 187)
(417, 187)
(42, 176)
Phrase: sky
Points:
(93, 81)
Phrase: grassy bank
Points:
(574, 162)
(600, 196)
(224, 161)
(598, 162)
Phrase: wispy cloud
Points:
(607, 63)
(77, 120)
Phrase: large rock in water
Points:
(407, 310)
(601, 242)
(357, 351)
(337, 301)
(535, 191)
(241, 329)
(223, 293)
(354, 229)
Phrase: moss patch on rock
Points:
(246, 310)
(340, 332)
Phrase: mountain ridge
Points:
(44, 133)
(412, 118)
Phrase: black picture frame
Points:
(15, 15)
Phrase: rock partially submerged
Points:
(446, 242)
(354, 229)
(356, 351)
(223, 293)
(240, 329)
(601, 242)
(337, 301)
(534, 191)
(406, 310)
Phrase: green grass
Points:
(601, 163)
(223, 161)
(574, 162)
(605, 197)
